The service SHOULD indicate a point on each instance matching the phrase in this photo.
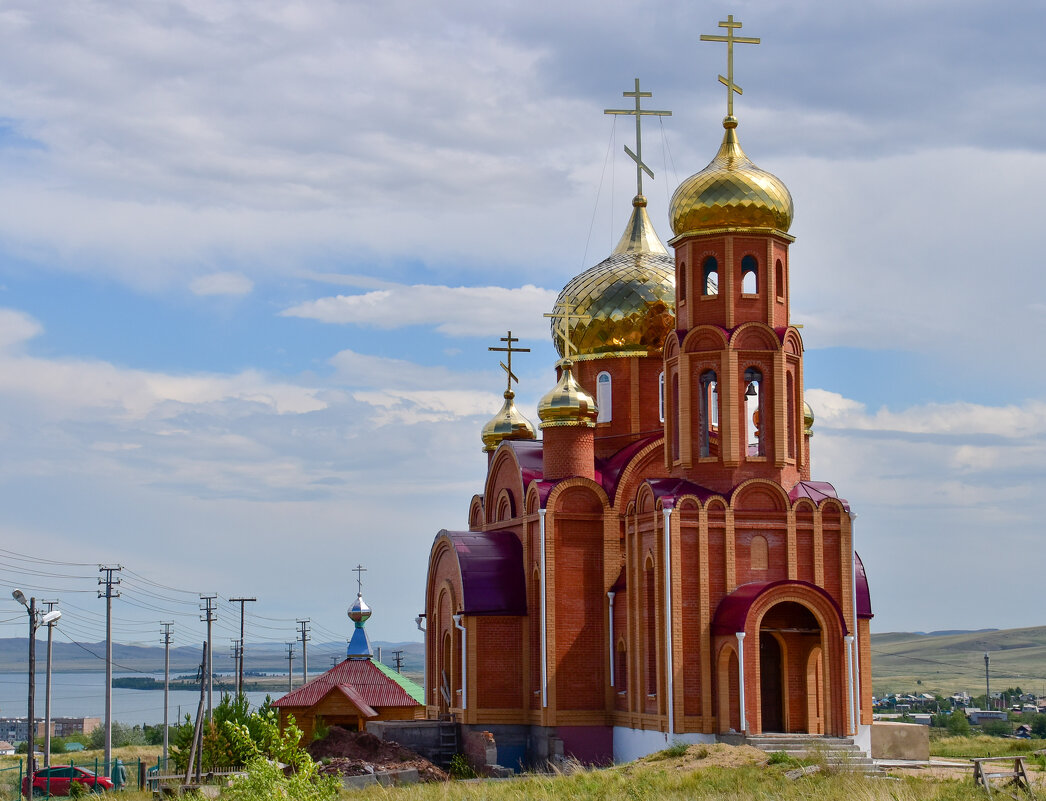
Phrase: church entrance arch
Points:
(791, 685)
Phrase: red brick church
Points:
(659, 566)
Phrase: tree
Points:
(997, 728)
(957, 723)
(1038, 725)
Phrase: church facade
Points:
(660, 565)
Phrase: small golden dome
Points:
(506, 424)
(567, 404)
(630, 297)
(731, 192)
(808, 420)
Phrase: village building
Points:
(660, 566)
(354, 692)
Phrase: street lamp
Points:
(35, 621)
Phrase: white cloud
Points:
(454, 311)
(221, 284)
(17, 327)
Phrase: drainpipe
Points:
(610, 627)
(856, 646)
(849, 640)
(741, 679)
(670, 707)
(544, 614)
(422, 621)
(464, 662)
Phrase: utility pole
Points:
(304, 649)
(31, 739)
(987, 684)
(236, 651)
(47, 692)
(109, 594)
(290, 666)
(397, 657)
(208, 609)
(239, 669)
(166, 685)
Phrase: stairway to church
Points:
(448, 740)
(839, 753)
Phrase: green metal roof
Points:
(411, 688)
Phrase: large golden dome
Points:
(630, 297)
(731, 192)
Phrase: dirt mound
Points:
(718, 755)
(355, 753)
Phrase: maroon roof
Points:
(669, 489)
(864, 597)
(609, 470)
(732, 612)
(816, 491)
(492, 578)
(529, 455)
(359, 680)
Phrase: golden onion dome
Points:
(731, 192)
(567, 404)
(506, 424)
(808, 420)
(629, 298)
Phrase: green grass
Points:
(981, 746)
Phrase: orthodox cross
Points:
(359, 570)
(564, 319)
(510, 350)
(639, 113)
(730, 40)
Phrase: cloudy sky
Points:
(252, 255)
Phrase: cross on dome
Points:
(638, 112)
(730, 40)
(359, 570)
(565, 317)
(508, 340)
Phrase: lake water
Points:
(83, 695)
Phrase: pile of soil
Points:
(354, 753)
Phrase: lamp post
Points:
(35, 621)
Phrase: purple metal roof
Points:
(816, 491)
(529, 455)
(668, 489)
(359, 680)
(732, 612)
(864, 597)
(609, 470)
(492, 578)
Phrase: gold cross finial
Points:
(565, 317)
(639, 113)
(359, 570)
(508, 340)
(730, 40)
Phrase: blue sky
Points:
(252, 255)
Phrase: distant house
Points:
(978, 716)
(1023, 731)
(6, 749)
(353, 692)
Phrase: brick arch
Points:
(476, 513)
(760, 494)
(671, 347)
(754, 336)
(704, 337)
(568, 490)
(533, 503)
(648, 463)
(504, 471)
(645, 500)
(505, 507)
(793, 342)
(728, 710)
(688, 503)
(804, 505)
(717, 503)
(832, 505)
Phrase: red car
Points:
(57, 779)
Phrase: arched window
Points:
(710, 277)
(604, 402)
(779, 280)
(759, 553)
(651, 628)
(675, 418)
(661, 396)
(621, 668)
(749, 276)
(708, 413)
(681, 282)
(790, 415)
(754, 417)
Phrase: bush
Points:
(460, 768)
(1038, 725)
(676, 749)
(957, 723)
(997, 728)
(265, 781)
(123, 735)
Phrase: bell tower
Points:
(733, 367)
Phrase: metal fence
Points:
(134, 774)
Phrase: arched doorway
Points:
(791, 676)
(729, 691)
(446, 674)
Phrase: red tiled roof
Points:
(359, 680)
